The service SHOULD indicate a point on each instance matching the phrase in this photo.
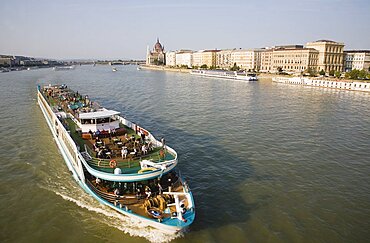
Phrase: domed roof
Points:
(158, 47)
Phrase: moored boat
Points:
(325, 83)
(226, 74)
(116, 161)
(63, 68)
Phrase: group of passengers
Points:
(129, 147)
(67, 99)
(142, 190)
(102, 134)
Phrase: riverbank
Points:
(163, 68)
(260, 75)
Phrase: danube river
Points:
(266, 162)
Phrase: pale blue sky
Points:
(123, 29)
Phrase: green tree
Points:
(204, 66)
(337, 74)
(311, 72)
(322, 72)
(354, 74)
(331, 73)
(362, 74)
(235, 67)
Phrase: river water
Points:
(266, 162)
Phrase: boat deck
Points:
(104, 151)
(139, 203)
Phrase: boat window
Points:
(102, 120)
(86, 121)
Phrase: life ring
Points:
(113, 163)
(146, 170)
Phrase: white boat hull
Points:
(75, 163)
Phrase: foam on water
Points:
(73, 193)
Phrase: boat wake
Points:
(111, 218)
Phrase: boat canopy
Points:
(98, 114)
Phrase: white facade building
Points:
(357, 59)
(184, 58)
(171, 59)
(223, 59)
(243, 58)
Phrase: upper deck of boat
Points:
(103, 150)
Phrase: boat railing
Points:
(149, 136)
(124, 163)
(111, 197)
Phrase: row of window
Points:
(336, 84)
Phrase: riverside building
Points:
(266, 60)
(243, 59)
(356, 59)
(170, 58)
(205, 57)
(223, 59)
(330, 55)
(184, 58)
(157, 55)
(293, 59)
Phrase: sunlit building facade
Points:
(330, 55)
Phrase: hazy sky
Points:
(123, 29)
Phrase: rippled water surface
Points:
(266, 162)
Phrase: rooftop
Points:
(357, 51)
(98, 114)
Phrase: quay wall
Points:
(163, 68)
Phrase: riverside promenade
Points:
(163, 68)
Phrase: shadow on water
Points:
(213, 173)
(215, 178)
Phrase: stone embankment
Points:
(163, 68)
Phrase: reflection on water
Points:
(265, 161)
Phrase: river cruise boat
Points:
(226, 74)
(63, 68)
(119, 163)
(325, 83)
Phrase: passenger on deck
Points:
(124, 152)
(100, 154)
(163, 141)
(148, 192)
(150, 146)
(116, 192)
(160, 189)
(97, 133)
(97, 181)
(144, 149)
